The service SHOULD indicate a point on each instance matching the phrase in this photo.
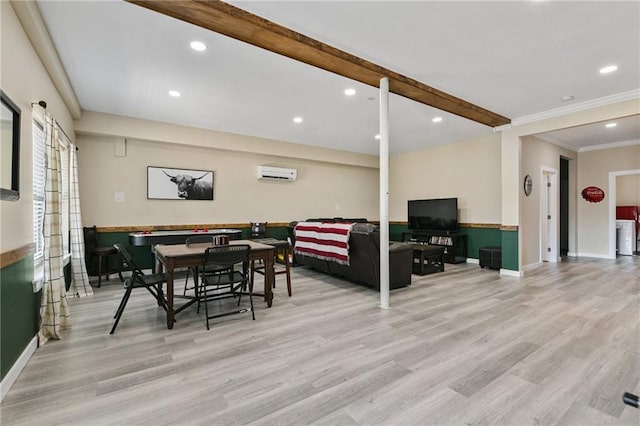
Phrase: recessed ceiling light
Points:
(199, 46)
(608, 69)
(175, 93)
(297, 119)
(377, 137)
(567, 98)
(610, 125)
(350, 92)
(436, 119)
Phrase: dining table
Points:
(174, 256)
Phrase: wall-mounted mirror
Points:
(9, 149)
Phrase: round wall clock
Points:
(528, 185)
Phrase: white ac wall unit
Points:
(277, 173)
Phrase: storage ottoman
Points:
(491, 257)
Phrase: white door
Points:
(549, 220)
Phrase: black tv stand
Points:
(455, 244)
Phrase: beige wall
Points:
(467, 170)
(511, 170)
(536, 154)
(628, 190)
(322, 188)
(133, 128)
(593, 218)
(24, 80)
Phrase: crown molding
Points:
(36, 30)
(610, 145)
(552, 139)
(582, 106)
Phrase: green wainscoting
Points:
(509, 250)
(476, 237)
(19, 308)
(143, 256)
(481, 237)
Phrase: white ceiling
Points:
(514, 58)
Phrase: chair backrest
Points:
(129, 263)
(223, 257)
(258, 229)
(199, 239)
(90, 238)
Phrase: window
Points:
(39, 191)
(39, 174)
(64, 201)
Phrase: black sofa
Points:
(364, 257)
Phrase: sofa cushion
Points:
(365, 228)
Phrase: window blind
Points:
(39, 175)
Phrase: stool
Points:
(491, 257)
(91, 250)
(104, 253)
(282, 247)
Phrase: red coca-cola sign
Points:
(593, 194)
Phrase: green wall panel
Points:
(481, 237)
(19, 308)
(476, 237)
(142, 254)
(510, 250)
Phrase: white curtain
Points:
(79, 278)
(54, 307)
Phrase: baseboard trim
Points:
(510, 273)
(531, 266)
(472, 260)
(17, 367)
(595, 255)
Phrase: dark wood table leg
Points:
(288, 269)
(170, 312)
(269, 276)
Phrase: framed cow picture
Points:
(168, 183)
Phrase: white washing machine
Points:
(626, 243)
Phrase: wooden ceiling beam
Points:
(239, 24)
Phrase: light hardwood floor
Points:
(463, 347)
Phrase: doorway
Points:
(549, 216)
(564, 207)
(612, 207)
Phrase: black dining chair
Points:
(258, 230)
(225, 275)
(189, 241)
(138, 279)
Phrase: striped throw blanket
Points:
(326, 241)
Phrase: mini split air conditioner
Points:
(277, 173)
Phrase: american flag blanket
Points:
(326, 241)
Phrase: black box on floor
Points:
(491, 257)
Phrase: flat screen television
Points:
(439, 214)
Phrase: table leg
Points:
(170, 312)
(421, 262)
(288, 270)
(269, 277)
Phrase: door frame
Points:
(549, 202)
(613, 195)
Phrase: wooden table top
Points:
(179, 250)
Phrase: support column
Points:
(384, 193)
